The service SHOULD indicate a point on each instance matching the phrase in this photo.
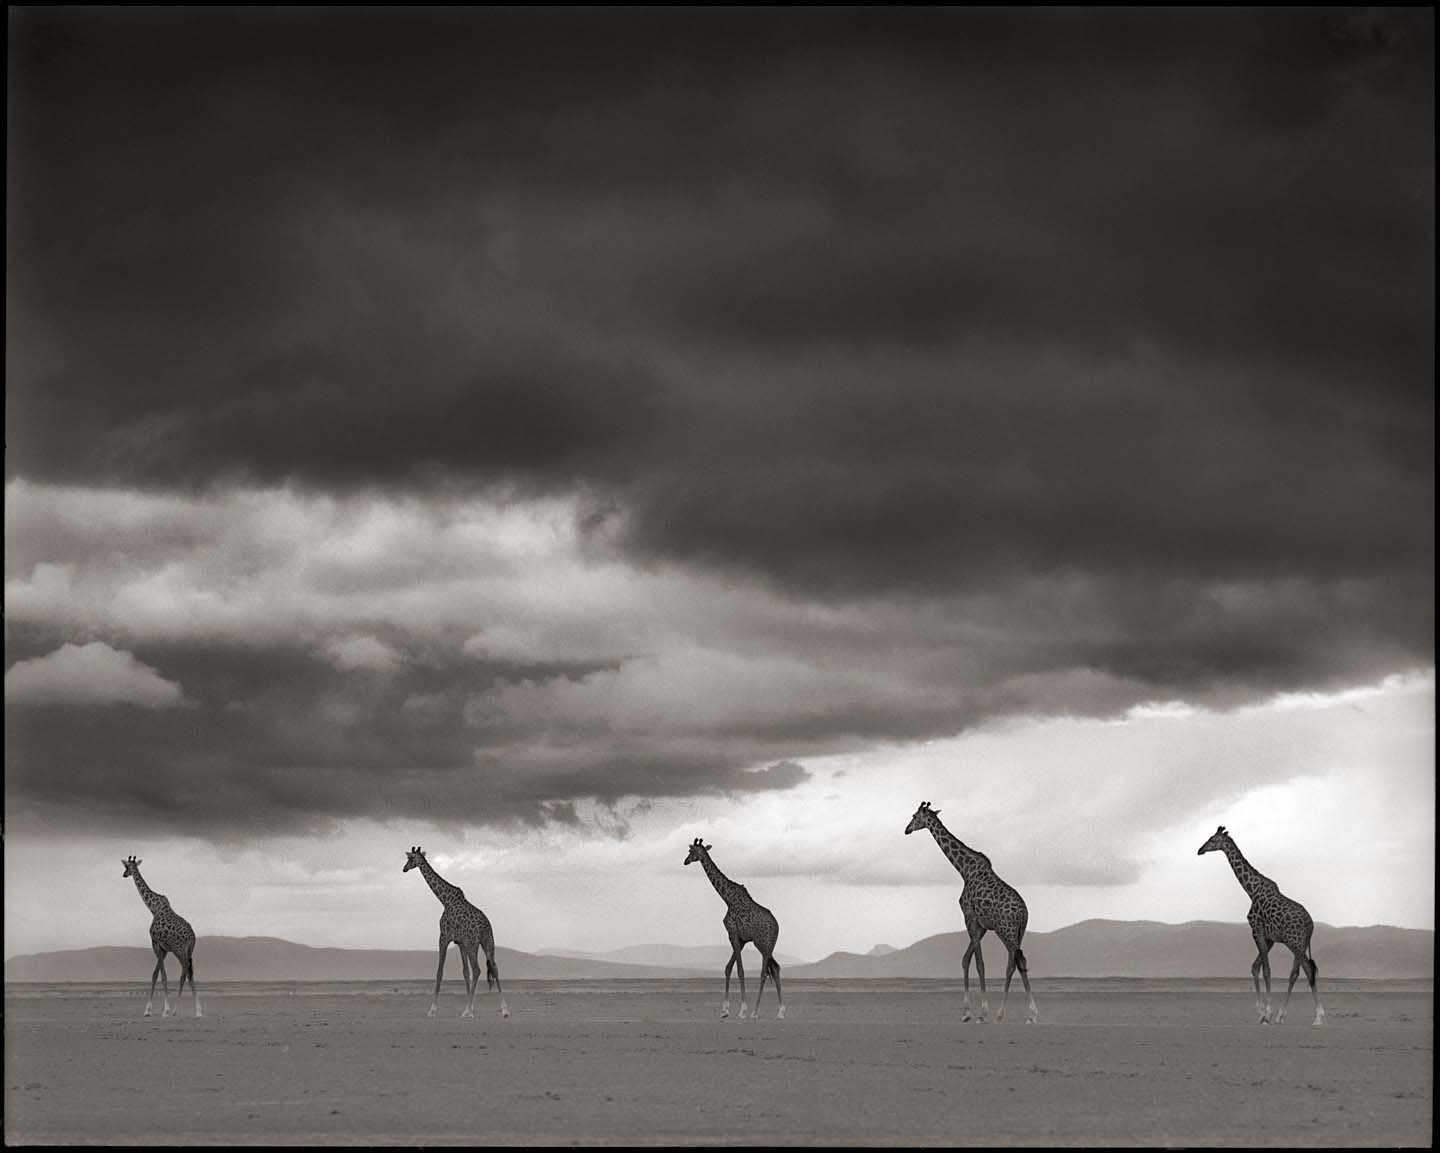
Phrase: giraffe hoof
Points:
(430, 1012)
(168, 1012)
(725, 1010)
(744, 1010)
(967, 1016)
(467, 1012)
(1319, 1017)
(504, 1009)
(780, 1016)
(149, 1012)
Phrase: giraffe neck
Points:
(729, 891)
(966, 860)
(1250, 878)
(438, 885)
(155, 902)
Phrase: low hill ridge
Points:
(1091, 948)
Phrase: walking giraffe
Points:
(988, 904)
(746, 920)
(169, 933)
(468, 927)
(1273, 917)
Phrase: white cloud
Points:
(93, 673)
(358, 652)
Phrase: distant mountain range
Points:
(1088, 949)
(704, 957)
(1150, 949)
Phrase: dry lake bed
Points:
(866, 1062)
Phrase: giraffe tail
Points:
(1020, 962)
(772, 967)
(491, 973)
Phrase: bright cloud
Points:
(90, 674)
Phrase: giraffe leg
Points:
(439, 976)
(966, 1015)
(729, 966)
(1255, 976)
(1265, 968)
(775, 976)
(740, 972)
(1032, 1014)
(1311, 971)
(155, 976)
(1294, 972)
(1009, 975)
(492, 973)
(469, 1010)
(180, 988)
(165, 988)
(984, 997)
(764, 972)
(194, 990)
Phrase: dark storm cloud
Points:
(1113, 328)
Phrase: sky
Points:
(547, 437)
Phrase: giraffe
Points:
(169, 933)
(1273, 917)
(468, 927)
(746, 920)
(988, 903)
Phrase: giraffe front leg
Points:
(165, 990)
(725, 1004)
(1255, 977)
(155, 976)
(439, 976)
(740, 972)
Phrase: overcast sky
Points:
(549, 437)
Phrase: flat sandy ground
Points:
(604, 1062)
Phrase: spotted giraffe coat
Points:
(169, 931)
(1274, 918)
(987, 902)
(746, 920)
(460, 921)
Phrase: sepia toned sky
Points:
(549, 437)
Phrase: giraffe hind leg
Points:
(492, 973)
(194, 989)
(729, 968)
(471, 980)
(1284, 1005)
(1032, 1014)
(1312, 971)
(775, 976)
(984, 996)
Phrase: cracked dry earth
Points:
(606, 1063)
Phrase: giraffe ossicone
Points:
(464, 925)
(746, 921)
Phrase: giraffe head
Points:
(132, 866)
(697, 850)
(921, 819)
(413, 859)
(1215, 844)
